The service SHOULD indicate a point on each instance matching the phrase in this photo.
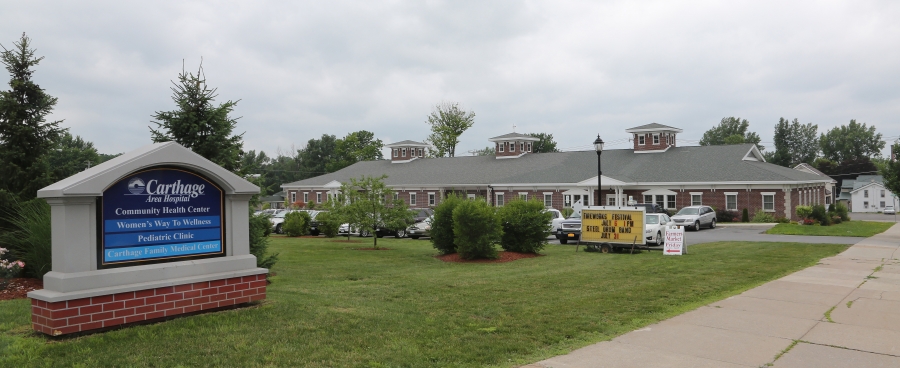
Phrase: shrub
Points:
(310, 205)
(566, 212)
(28, 238)
(260, 228)
(763, 216)
(809, 221)
(804, 212)
(745, 216)
(525, 226)
(296, 223)
(476, 228)
(831, 208)
(442, 234)
(819, 214)
(8, 269)
(726, 215)
(836, 220)
(329, 223)
(841, 210)
(782, 220)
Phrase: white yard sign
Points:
(674, 241)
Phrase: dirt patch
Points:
(19, 287)
(504, 257)
(379, 248)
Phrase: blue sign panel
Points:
(161, 214)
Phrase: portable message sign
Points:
(613, 225)
(674, 241)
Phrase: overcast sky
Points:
(574, 69)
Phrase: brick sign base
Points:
(100, 312)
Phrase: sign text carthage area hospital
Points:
(159, 214)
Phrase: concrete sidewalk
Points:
(843, 312)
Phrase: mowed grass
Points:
(849, 228)
(333, 306)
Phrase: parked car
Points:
(889, 210)
(655, 227)
(420, 229)
(556, 219)
(696, 217)
(313, 224)
(651, 208)
(346, 228)
(422, 214)
(277, 220)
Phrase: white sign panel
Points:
(674, 241)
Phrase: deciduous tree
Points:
(355, 147)
(26, 137)
(795, 143)
(545, 144)
(448, 121)
(731, 130)
(198, 124)
(371, 206)
(851, 142)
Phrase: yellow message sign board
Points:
(612, 225)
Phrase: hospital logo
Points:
(136, 186)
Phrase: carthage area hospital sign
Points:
(159, 214)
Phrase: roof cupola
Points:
(653, 137)
(512, 145)
(406, 151)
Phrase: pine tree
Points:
(25, 135)
(198, 124)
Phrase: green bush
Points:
(442, 234)
(329, 223)
(28, 238)
(745, 216)
(725, 215)
(763, 217)
(841, 210)
(566, 212)
(804, 212)
(836, 219)
(782, 220)
(819, 214)
(260, 228)
(525, 226)
(296, 223)
(831, 208)
(476, 228)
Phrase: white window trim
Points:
(499, 199)
(421, 154)
(545, 199)
(293, 197)
(525, 194)
(501, 146)
(692, 198)
(512, 147)
(432, 199)
(396, 152)
(412, 199)
(318, 197)
(396, 196)
(656, 138)
(735, 201)
(764, 194)
(641, 139)
(305, 197)
(403, 152)
(522, 147)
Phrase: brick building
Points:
(654, 170)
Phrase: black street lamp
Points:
(598, 145)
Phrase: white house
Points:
(870, 195)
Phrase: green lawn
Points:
(849, 228)
(332, 306)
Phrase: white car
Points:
(889, 210)
(556, 219)
(655, 227)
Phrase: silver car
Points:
(696, 217)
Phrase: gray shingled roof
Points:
(864, 180)
(515, 136)
(406, 143)
(653, 126)
(706, 164)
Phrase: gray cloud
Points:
(574, 69)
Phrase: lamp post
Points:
(598, 145)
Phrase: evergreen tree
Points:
(795, 143)
(25, 135)
(198, 124)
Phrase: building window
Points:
(548, 199)
(403, 152)
(567, 201)
(881, 204)
(499, 199)
(395, 152)
(529, 146)
(610, 200)
(731, 201)
(521, 147)
(641, 140)
(396, 196)
(421, 153)
(656, 139)
(431, 199)
(412, 199)
(865, 204)
(305, 197)
(670, 201)
(293, 197)
(768, 202)
(512, 147)
(866, 193)
(696, 199)
(502, 146)
(318, 197)
(523, 196)
(882, 194)
(648, 198)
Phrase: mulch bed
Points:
(19, 287)
(504, 257)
